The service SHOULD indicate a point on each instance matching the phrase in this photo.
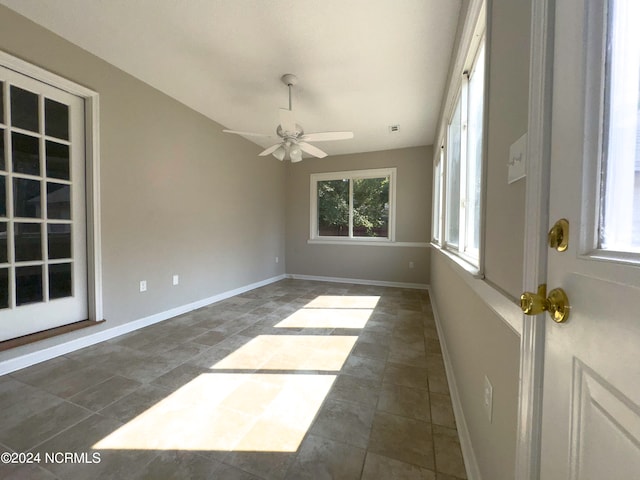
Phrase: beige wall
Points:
(479, 342)
(178, 196)
(413, 213)
(507, 115)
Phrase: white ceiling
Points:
(362, 65)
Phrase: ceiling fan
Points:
(293, 139)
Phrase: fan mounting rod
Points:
(289, 79)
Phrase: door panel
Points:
(43, 260)
(603, 417)
(591, 394)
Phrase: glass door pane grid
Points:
(56, 140)
(4, 169)
(42, 220)
(8, 164)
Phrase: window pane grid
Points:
(452, 217)
(464, 132)
(333, 208)
(474, 155)
(352, 206)
(458, 170)
(350, 212)
(367, 213)
(438, 177)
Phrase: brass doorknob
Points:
(556, 303)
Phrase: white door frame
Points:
(535, 248)
(92, 160)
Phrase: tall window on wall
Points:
(438, 188)
(355, 206)
(458, 163)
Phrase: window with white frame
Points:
(458, 164)
(438, 180)
(619, 229)
(353, 206)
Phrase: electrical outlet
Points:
(143, 285)
(277, 259)
(488, 398)
(411, 265)
(176, 279)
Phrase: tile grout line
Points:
(433, 440)
(260, 317)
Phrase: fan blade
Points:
(269, 150)
(287, 120)
(311, 150)
(327, 136)
(249, 134)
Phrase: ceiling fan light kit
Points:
(280, 152)
(293, 140)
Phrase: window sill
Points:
(506, 308)
(461, 262)
(368, 243)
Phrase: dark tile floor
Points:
(295, 380)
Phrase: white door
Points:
(43, 260)
(591, 394)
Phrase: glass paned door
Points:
(620, 219)
(43, 266)
(591, 393)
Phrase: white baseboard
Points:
(48, 352)
(470, 462)
(359, 281)
(26, 360)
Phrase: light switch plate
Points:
(517, 159)
(488, 399)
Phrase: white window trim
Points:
(92, 159)
(314, 237)
(466, 251)
(462, 98)
(437, 218)
(594, 144)
(474, 33)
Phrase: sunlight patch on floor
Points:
(333, 311)
(327, 318)
(344, 301)
(290, 352)
(233, 409)
(225, 412)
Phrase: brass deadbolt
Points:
(559, 235)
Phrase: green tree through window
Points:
(366, 200)
(333, 208)
(371, 207)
